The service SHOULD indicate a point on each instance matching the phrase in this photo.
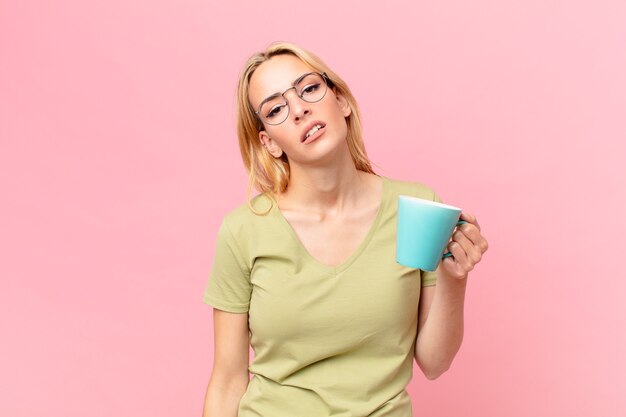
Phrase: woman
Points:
(305, 272)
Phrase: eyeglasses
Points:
(310, 87)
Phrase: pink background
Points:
(118, 159)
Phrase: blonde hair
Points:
(268, 174)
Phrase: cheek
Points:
(339, 121)
(339, 114)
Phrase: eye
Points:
(310, 88)
(275, 110)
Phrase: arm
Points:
(440, 326)
(229, 378)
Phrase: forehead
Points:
(275, 76)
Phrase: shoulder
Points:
(246, 232)
(413, 188)
(241, 219)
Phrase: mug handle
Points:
(447, 254)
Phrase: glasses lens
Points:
(274, 111)
(311, 88)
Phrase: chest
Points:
(332, 241)
(368, 301)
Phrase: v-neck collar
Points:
(347, 262)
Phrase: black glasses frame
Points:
(327, 83)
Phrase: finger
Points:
(457, 263)
(471, 231)
(470, 218)
(458, 253)
(472, 253)
(452, 265)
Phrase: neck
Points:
(327, 189)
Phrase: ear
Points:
(271, 146)
(344, 106)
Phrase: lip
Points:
(315, 135)
(308, 127)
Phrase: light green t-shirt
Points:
(328, 341)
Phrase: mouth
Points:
(314, 130)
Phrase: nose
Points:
(297, 106)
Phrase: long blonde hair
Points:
(268, 174)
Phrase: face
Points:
(275, 76)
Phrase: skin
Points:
(326, 190)
(323, 178)
(440, 325)
(329, 201)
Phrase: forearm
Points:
(222, 399)
(441, 335)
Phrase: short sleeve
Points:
(430, 277)
(228, 287)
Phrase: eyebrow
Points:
(273, 96)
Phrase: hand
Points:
(467, 246)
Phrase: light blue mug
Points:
(424, 228)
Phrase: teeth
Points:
(313, 130)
